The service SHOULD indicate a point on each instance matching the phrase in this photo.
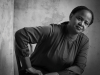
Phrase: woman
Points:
(61, 48)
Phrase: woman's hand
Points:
(54, 73)
(34, 71)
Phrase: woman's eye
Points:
(79, 18)
(86, 23)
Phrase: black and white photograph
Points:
(49, 37)
(57, 37)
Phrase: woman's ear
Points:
(71, 15)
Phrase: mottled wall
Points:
(43, 12)
(6, 37)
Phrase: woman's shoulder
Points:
(82, 39)
(83, 36)
(56, 28)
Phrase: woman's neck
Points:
(71, 35)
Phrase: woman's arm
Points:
(25, 36)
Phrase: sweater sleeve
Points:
(80, 60)
(25, 36)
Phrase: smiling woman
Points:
(80, 21)
(61, 48)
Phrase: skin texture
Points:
(79, 22)
(34, 71)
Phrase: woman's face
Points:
(80, 21)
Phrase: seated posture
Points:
(61, 49)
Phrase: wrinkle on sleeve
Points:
(25, 36)
(81, 57)
(29, 35)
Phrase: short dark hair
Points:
(80, 8)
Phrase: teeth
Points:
(78, 27)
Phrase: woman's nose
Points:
(81, 23)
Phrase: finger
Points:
(27, 70)
(41, 73)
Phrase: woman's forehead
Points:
(85, 14)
